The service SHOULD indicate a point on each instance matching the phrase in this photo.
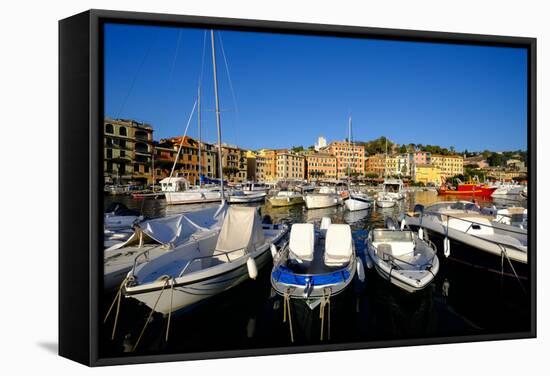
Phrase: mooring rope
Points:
(325, 302)
(503, 252)
(117, 300)
(166, 280)
(286, 307)
(170, 312)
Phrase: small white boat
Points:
(385, 201)
(324, 198)
(196, 271)
(315, 265)
(358, 201)
(402, 258)
(286, 198)
(393, 188)
(241, 197)
(507, 189)
(252, 187)
(155, 237)
(190, 195)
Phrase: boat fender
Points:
(446, 247)
(421, 233)
(403, 223)
(360, 270)
(273, 249)
(368, 260)
(252, 268)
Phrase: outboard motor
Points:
(418, 208)
(390, 224)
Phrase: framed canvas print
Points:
(256, 187)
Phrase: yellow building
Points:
(234, 163)
(269, 162)
(290, 166)
(127, 152)
(348, 155)
(450, 165)
(321, 166)
(427, 174)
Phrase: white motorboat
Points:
(485, 241)
(182, 193)
(152, 238)
(358, 201)
(199, 270)
(315, 265)
(286, 198)
(385, 201)
(325, 197)
(507, 189)
(252, 187)
(241, 197)
(393, 188)
(402, 258)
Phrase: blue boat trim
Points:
(286, 276)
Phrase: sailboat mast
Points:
(349, 153)
(218, 125)
(200, 135)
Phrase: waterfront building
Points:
(187, 165)
(290, 166)
(234, 163)
(375, 164)
(321, 143)
(127, 152)
(269, 164)
(428, 175)
(450, 165)
(348, 155)
(321, 166)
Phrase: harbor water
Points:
(460, 301)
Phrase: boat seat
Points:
(388, 250)
(338, 245)
(302, 242)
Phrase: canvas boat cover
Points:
(241, 229)
(175, 229)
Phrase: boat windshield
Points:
(385, 236)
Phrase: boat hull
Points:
(285, 201)
(474, 251)
(385, 203)
(319, 201)
(190, 197)
(353, 204)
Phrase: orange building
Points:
(348, 155)
(375, 164)
(320, 166)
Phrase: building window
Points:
(122, 131)
(110, 153)
(109, 128)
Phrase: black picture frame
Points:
(80, 144)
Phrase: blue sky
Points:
(289, 89)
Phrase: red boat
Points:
(467, 189)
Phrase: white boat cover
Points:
(302, 241)
(338, 244)
(174, 229)
(241, 229)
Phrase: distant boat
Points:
(241, 197)
(286, 198)
(467, 189)
(325, 197)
